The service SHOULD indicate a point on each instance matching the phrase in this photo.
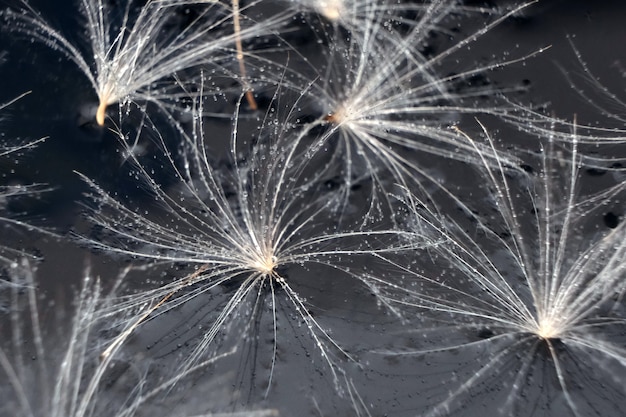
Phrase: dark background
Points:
(60, 97)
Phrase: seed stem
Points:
(242, 66)
(101, 112)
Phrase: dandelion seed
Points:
(36, 390)
(138, 60)
(384, 101)
(551, 292)
(242, 229)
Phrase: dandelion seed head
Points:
(331, 9)
(562, 306)
(549, 328)
(264, 262)
(106, 97)
(343, 114)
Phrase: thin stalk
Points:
(242, 65)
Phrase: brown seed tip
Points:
(331, 118)
(101, 113)
(251, 100)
